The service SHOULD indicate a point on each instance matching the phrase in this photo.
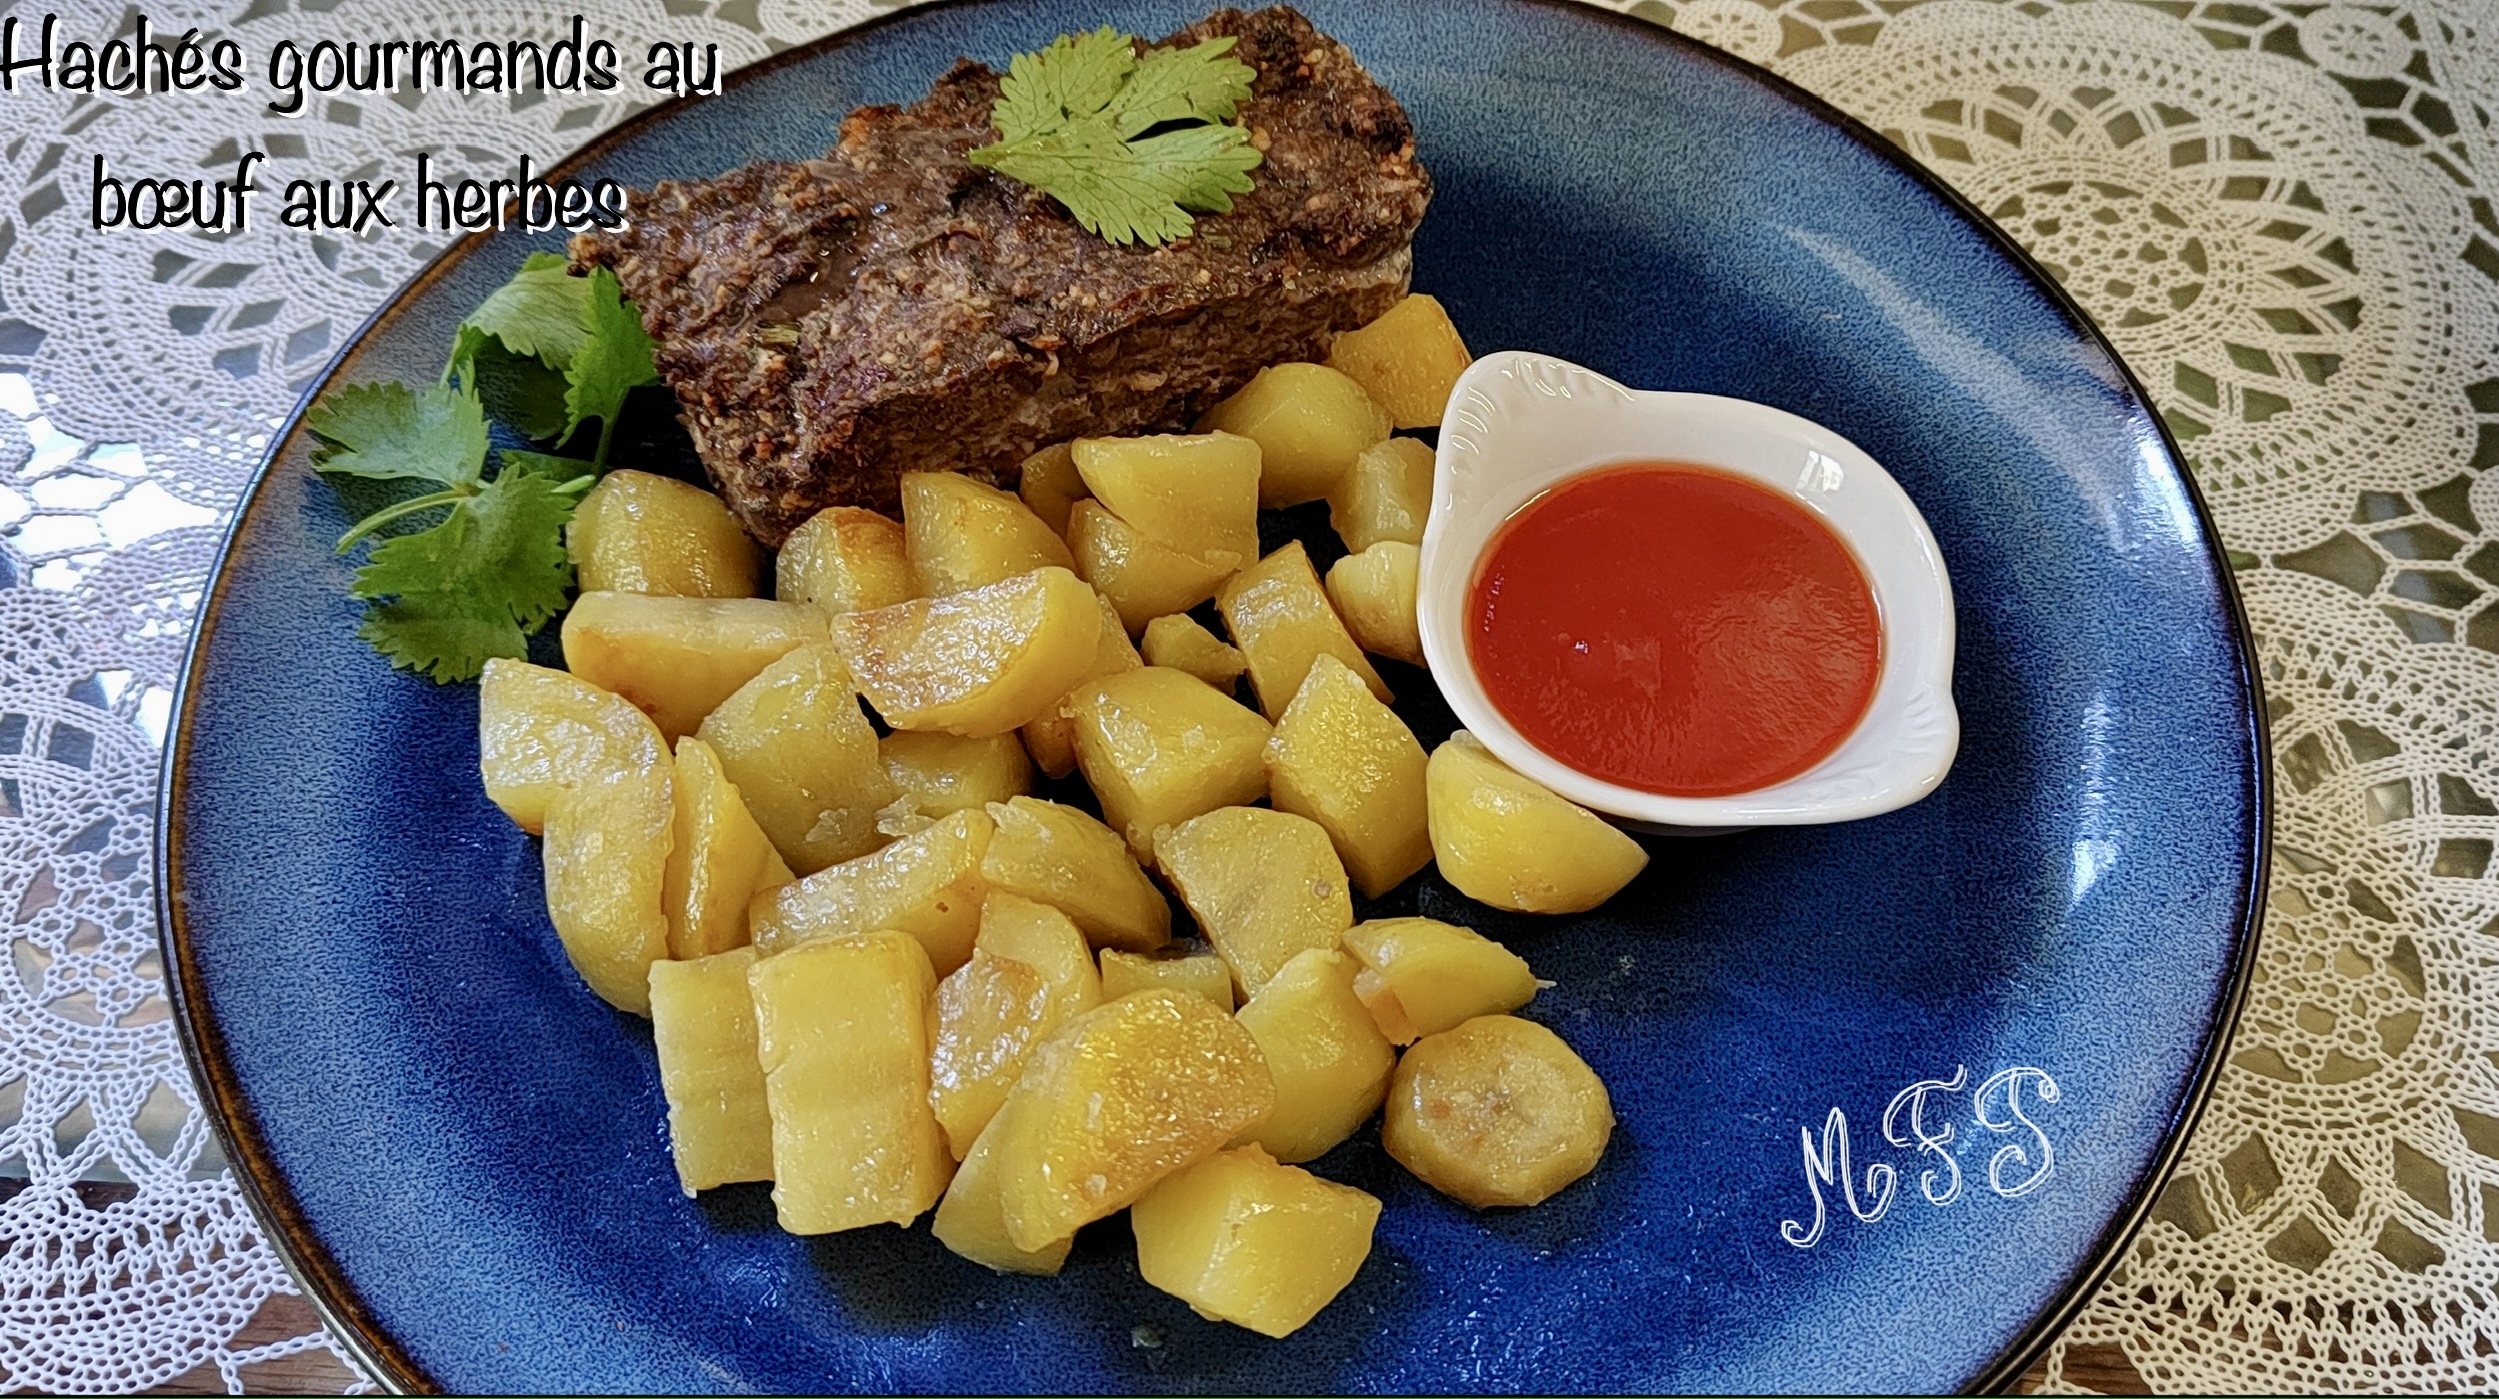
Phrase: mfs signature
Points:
(1920, 1116)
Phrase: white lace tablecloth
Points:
(2283, 213)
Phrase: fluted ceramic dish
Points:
(1893, 1093)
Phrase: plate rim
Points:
(323, 1283)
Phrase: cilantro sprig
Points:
(1130, 144)
(548, 352)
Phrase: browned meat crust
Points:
(830, 324)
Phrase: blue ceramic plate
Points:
(1893, 1094)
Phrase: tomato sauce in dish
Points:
(1674, 629)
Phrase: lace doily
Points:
(2283, 214)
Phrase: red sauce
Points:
(1675, 629)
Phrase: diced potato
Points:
(1243, 1239)
(1508, 841)
(972, 1221)
(1263, 884)
(703, 1025)
(540, 731)
(1309, 422)
(1196, 495)
(992, 1013)
(940, 774)
(1408, 360)
(719, 860)
(975, 663)
(1160, 746)
(842, 1029)
(678, 658)
(1179, 643)
(961, 535)
(1059, 856)
(639, 533)
(1374, 591)
(845, 559)
(1386, 494)
(1043, 938)
(1280, 618)
(1050, 485)
(1346, 761)
(606, 855)
(1498, 1111)
(1198, 974)
(805, 759)
(1051, 738)
(1330, 1062)
(928, 885)
(1420, 976)
(1122, 1097)
(1144, 580)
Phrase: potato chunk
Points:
(978, 662)
(940, 774)
(1386, 494)
(1160, 746)
(928, 885)
(845, 559)
(1050, 485)
(1280, 618)
(1243, 1239)
(678, 658)
(1374, 591)
(703, 1025)
(1496, 1112)
(961, 535)
(1346, 761)
(1179, 643)
(1197, 974)
(1408, 360)
(1309, 422)
(540, 731)
(972, 1222)
(639, 533)
(1508, 841)
(1144, 580)
(1421, 976)
(1051, 737)
(805, 759)
(1265, 885)
(1043, 938)
(842, 1029)
(719, 860)
(1330, 1062)
(1196, 495)
(606, 854)
(1059, 856)
(1122, 1097)
(992, 1013)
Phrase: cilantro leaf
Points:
(1132, 191)
(542, 311)
(614, 358)
(392, 432)
(1074, 78)
(472, 587)
(519, 391)
(1193, 84)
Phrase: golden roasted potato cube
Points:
(940, 774)
(1498, 1111)
(1408, 360)
(719, 861)
(703, 1025)
(805, 759)
(1051, 738)
(1050, 485)
(1043, 938)
(1196, 495)
(961, 535)
(974, 663)
(1263, 884)
(1198, 974)
(1421, 976)
(606, 855)
(1121, 1097)
(842, 1029)
(1330, 1062)
(1160, 746)
(1059, 856)
(1373, 591)
(1144, 580)
(1244, 1239)
(1309, 422)
(1280, 618)
(992, 1013)
(1346, 761)
(928, 885)
(845, 559)
(971, 1221)
(639, 533)
(540, 731)
(1507, 840)
(1179, 643)
(678, 658)
(1386, 494)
